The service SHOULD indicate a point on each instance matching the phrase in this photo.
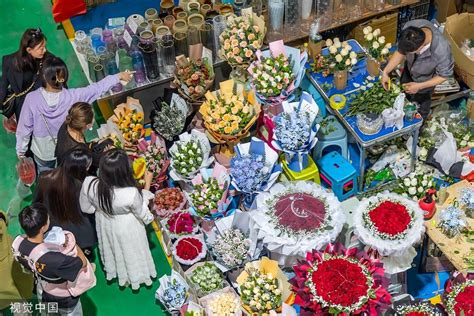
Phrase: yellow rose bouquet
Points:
(228, 114)
(129, 119)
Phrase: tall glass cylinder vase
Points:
(138, 67)
(150, 60)
(276, 11)
(99, 72)
(207, 36)
(219, 27)
(168, 54)
(291, 17)
(91, 62)
(194, 35)
(238, 6)
(112, 69)
(306, 9)
(151, 14)
(324, 12)
(125, 64)
(181, 43)
(256, 6)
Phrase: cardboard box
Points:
(458, 28)
(444, 9)
(387, 25)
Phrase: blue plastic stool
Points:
(332, 135)
(338, 174)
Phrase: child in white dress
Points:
(121, 212)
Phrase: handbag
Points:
(9, 104)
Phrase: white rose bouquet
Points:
(341, 57)
(375, 44)
(415, 184)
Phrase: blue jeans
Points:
(44, 165)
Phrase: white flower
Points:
(333, 49)
(463, 143)
(430, 184)
(382, 39)
(363, 88)
(466, 137)
(354, 61)
(366, 30)
(384, 51)
(353, 55)
(414, 181)
(370, 37)
(423, 152)
(412, 191)
(377, 32)
(420, 189)
(337, 44)
(406, 182)
(336, 40)
(344, 52)
(338, 58)
(470, 144)
(348, 62)
(355, 84)
(328, 42)
(424, 183)
(388, 45)
(369, 28)
(375, 45)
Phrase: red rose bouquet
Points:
(181, 223)
(458, 296)
(189, 249)
(168, 201)
(388, 219)
(416, 308)
(338, 281)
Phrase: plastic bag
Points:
(9, 124)
(394, 117)
(65, 9)
(26, 171)
(447, 153)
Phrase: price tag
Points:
(127, 37)
(132, 24)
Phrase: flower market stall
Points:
(303, 182)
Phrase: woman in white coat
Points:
(121, 212)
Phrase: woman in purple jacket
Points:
(45, 110)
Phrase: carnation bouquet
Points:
(209, 197)
(228, 115)
(293, 218)
(339, 281)
(206, 278)
(254, 168)
(375, 44)
(189, 154)
(180, 224)
(189, 249)
(458, 295)
(222, 302)
(241, 39)
(173, 292)
(129, 119)
(193, 77)
(390, 224)
(295, 131)
(231, 248)
(277, 72)
(263, 287)
(155, 156)
(169, 118)
(169, 201)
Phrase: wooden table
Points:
(458, 248)
(301, 34)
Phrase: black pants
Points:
(423, 99)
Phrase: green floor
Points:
(104, 299)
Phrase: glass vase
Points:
(181, 43)
(238, 6)
(256, 6)
(324, 12)
(166, 7)
(207, 36)
(151, 14)
(291, 17)
(306, 14)
(369, 124)
(118, 35)
(194, 35)
(219, 23)
(168, 54)
(82, 41)
(92, 60)
(112, 69)
(340, 79)
(276, 11)
(150, 59)
(193, 8)
(180, 26)
(373, 67)
(375, 5)
(182, 16)
(99, 72)
(138, 67)
(155, 24)
(196, 20)
(169, 21)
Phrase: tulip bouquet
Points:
(341, 56)
(193, 77)
(189, 154)
(209, 197)
(228, 115)
(155, 157)
(129, 119)
(375, 44)
(241, 39)
(277, 72)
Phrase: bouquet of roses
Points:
(241, 39)
(189, 154)
(222, 302)
(414, 185)
(155, 157)
(458, 294)
(209, 197)
(231, 248)
(189, 249)
(173, 292)
(169, 121)
(339, 281)
(453, 221)
(168, 201)
(129, 119)
(341, 57)
(228, 115)
(375, 44)
(181, 223)
(207, 278)
(295, 131)
(193, 77)
(277, 72)
(262, 286)
(416, 308)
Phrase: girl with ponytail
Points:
(45, 110)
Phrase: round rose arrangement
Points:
(189, 250)
(181, 223)
(417, 308)
(168, 200)
(459, 296)
(339, 281)
(388, 219)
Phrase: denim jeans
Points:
(44, 165)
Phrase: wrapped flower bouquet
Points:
(193, 77)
